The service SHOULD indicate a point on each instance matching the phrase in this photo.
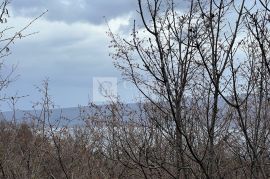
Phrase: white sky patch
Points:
(79, 3)
(116, 24)
(65, 2)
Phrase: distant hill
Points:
(72, 114)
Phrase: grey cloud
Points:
(69, 60)
(70, 11)
(70, 54)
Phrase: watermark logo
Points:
(104, 89)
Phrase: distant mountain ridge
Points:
(72, 114)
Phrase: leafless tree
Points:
(205, 68)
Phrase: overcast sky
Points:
(71, 48)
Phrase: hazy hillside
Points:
(71, 114)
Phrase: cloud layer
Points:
(70, 49)
(71, 11)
